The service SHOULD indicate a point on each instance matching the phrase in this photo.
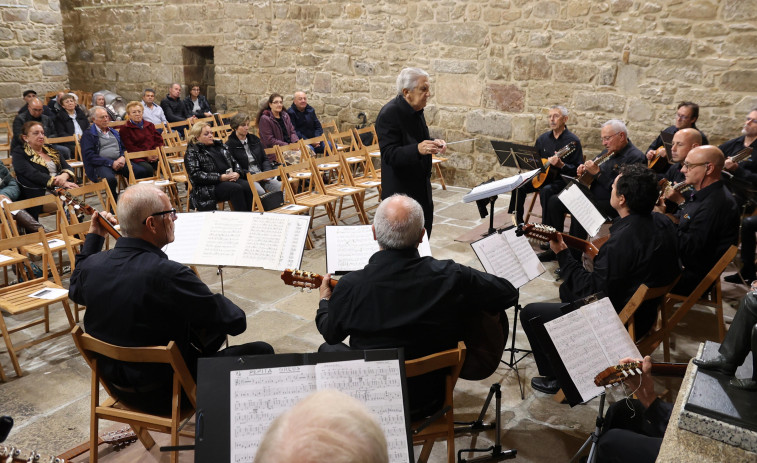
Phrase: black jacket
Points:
(64, 126)
(205, 165)
(204, 106)
(237, 151)
(174, 109)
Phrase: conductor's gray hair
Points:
(328, 426)
(398, 228)
(408, 79)
(617, 126)
(135, 204)
(563, 109)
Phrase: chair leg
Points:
(144, 436)
(426, 450)
(9, 346)
(47, 318)
(441, 177)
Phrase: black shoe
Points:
(558, 272)
(547, 256)
(719, 364)
(739, 279)
(544, 246)
(744, 383)
(545, 384)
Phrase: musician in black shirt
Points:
(687, 114)
(548, 144)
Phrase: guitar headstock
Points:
(122, 436)
(301, 279)
(566, 150)
(615, 374)
(536, 232)
(10, 454)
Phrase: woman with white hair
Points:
(98, 99)
(405, 143)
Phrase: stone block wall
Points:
(32, 55)
(496, 65)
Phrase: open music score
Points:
(508, 256)
(239, 239)
(348, 248)
(582, 209)
(588, 340)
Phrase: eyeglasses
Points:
(749, 120)
(690, 165)
(682, 117)
(172, 215)
(608, 138)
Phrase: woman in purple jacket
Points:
(274, 125)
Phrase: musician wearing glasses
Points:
(687, 114)
(676, 193)
(708, 222)
(136, 296)
(620, 151)
(641, 249)
(557, 137)
(747, 168)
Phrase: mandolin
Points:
(680, 187)
(117, 439)
(541, 178)
(741, 155)
(615, 374)
(544, 233)
(485, 333)
(657, 155)
(69, 200)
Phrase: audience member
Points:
(247, 151)
(71, 121)
(305, 121)
(214, 174)
(54, 103)
(197, 105)
(35, 114)
(9, 192)
(274, 124)
(327, 426)
(136, 296)
(174, 107)
(140, 135)
(152, 112)
(30, 95)
(98, 99)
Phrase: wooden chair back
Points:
(223, 119)
(329, 127)
(327, 151)
(179, 126)
(222, 132)
(371, 129)
(628, 315)
(6, 135)
(93, 349)
(343, 141)
(444, 426)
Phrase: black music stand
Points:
(667, 142)
(521, 157)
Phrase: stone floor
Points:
(50, 403)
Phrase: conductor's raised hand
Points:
(325, 288)
(428, 147)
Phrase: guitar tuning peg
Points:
(638, 370)
(625, 373)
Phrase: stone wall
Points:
(31, 52)
(496, 65)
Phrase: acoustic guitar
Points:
(741, 155)
(485, 334)
(657, 155)
(586, 178)
(680, 187)
(618, 373)
(540, 233)
(546, 168)
(117, 439)
(69, 200)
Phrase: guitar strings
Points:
(627, 398)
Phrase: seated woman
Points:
(39, 168)
(214, 174)
(140, 135)
(274, 124)
(71, 120)
(197, 105)
(98, 99)
(246, 149)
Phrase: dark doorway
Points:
(199, 68)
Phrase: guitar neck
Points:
(742, 155)
(669, 369)
(545, 234)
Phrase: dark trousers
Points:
(141, 170)
(629, 438)
(237, 193)
(518, 200)
(748, 243)
(742, 336)
(546, 311)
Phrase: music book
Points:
(581, 344)
(239, 239)
(508, 256)
(500, 186)
(581, 208)
(239, 397)
(348, 248)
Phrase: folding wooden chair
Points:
(74, 235)
(209, 119)
(26, 296)
(160, 177)
(181, 127)
(627, 316)
(329, 127)
(339, 188)
(12, 258)
(75, 162)
(173, 163)
(221, 132)
(312, 199)
(112, 410)
(374, 152)
(116, 124)
(369, 180)
(5, 140)
(172, 139)
(319, 139)
(343, 141)
(444, 426)
(436, 162)
(223, 119)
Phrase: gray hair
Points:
(408, 79)
(398, 229)
(94, 98)
(93, 112)
(136, 204)
(238, 119)
(617, 125)
(563, 109)
(151, 90)
(328, 426)
(752, 110)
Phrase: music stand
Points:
(667, 142)
(522, 157)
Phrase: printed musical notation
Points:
(349, 248)
(508, 256)
(239, 239)
(582, 209)
(259, 396)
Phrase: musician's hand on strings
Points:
(660, 205)
(644, 392)
(580, 170)
(592, 168)
(96, 228)
(325, 288)
(730, 165)
(651, 154)
(556, 162)
(557, 244)
(673, 195)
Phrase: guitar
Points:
(586, 178)
(680, 187)
(540, 179)
(615, 374)
(70, 200)
(544, 233)
(116, 439)
(741, 155)
(485, 334)
(657, 155)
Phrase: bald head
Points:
(398, 223)
(703, 166)
(711, 154)
(683, 141)
(35, 107)
(300, 101)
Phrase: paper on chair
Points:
(49, 293)
(582, 209)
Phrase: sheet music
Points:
(239, 239)
(589, 340)
(582, 209)
(349, 248)
(376, 384)
(500, 186)
(258, 397)
(506, 255)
